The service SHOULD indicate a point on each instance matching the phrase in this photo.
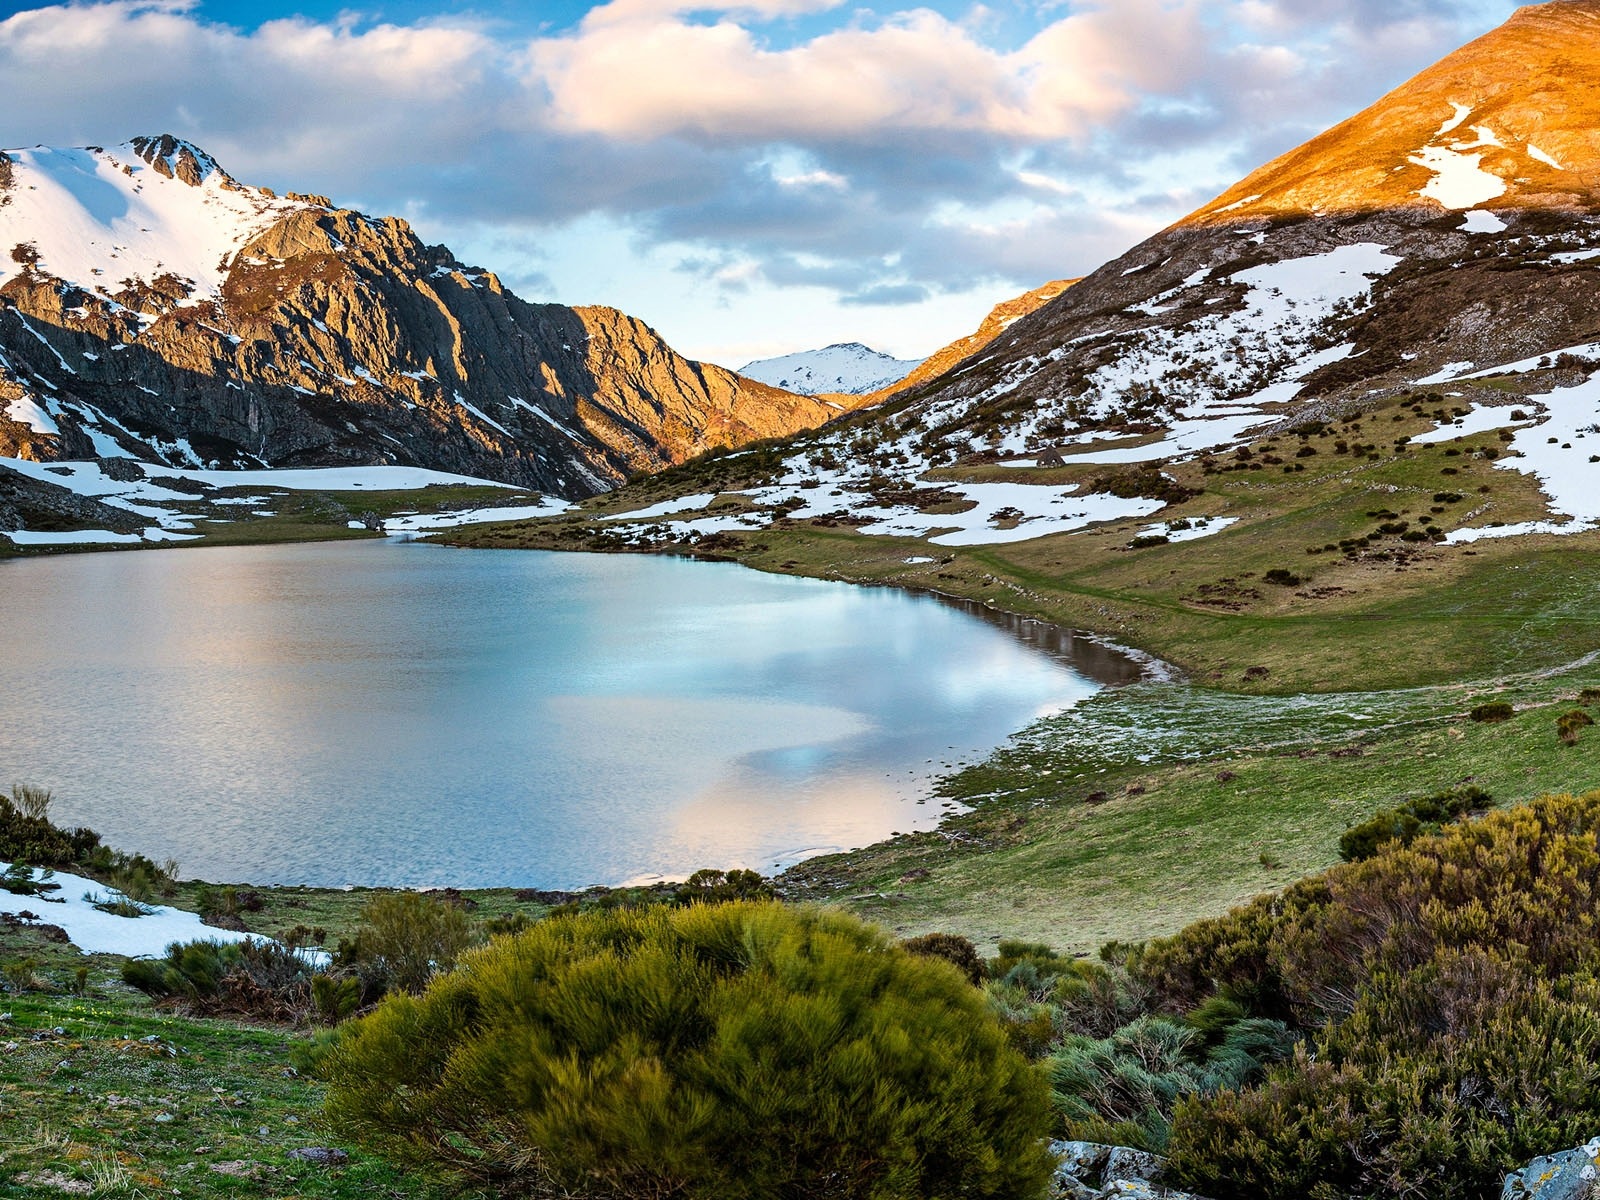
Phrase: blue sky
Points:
(751, 177)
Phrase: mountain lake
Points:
(394, 713)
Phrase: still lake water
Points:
(391, 713)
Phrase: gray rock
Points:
(1084, 1161)
(1127, 1163)
(1089, 1171)
(1570, 1175)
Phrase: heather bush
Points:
(1493, 711)
(1450, 995)
(953, 949)
(713, 886)
(728, 1051)
(27, 834)
(1570, 724)
(250, 978)
(405, 938)
(1407, 821)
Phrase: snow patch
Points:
(1462, 112)
(34, 415)
(1548, 160)
(1459, 181)
(1557, 452)
(420, 522)
(1188, 530)
(96, 932)
(1481, 220)
(94, 224)
(1481, 419)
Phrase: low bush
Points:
(1493, 711)
(1406, 822)
(250, 978)
(728, 1051)
(1122, 1089)
(951, 948)
(1569, 724)
(710, 886)
(27, 834)
(404, 939)
(1449, 992)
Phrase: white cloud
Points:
(916, 71)
(785, 143)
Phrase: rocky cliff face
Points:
(152, 306)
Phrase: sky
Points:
(750, 178)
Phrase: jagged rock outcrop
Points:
(151, 305)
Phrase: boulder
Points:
(1570, 1175)
(1090, 1171)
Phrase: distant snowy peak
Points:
(118, 220)
(847, 367)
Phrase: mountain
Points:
(1440, 249)
(152, 306)
(1001, 317)
(1321, 406)
(1446, 230)
(847, 368)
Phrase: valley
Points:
(1164, 717)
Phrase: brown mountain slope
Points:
(1530, 83)
(1001, 317)
(1348, 289)
(1427, 232)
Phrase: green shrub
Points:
(335, 998)
(713, 1052)
(1451, 994)
(1122, 1089)
(26, 832)
(406, 937)
(1493, 711)
(712, 886)
(32, 802)
(1568, 725)
(953, 949)
(1405, 823)
(252, 978)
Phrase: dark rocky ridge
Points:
(340, 339)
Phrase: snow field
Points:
(95, 225)
(96, 932)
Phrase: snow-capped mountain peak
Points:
(845, 367)
(177, 159)
(110, 221)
